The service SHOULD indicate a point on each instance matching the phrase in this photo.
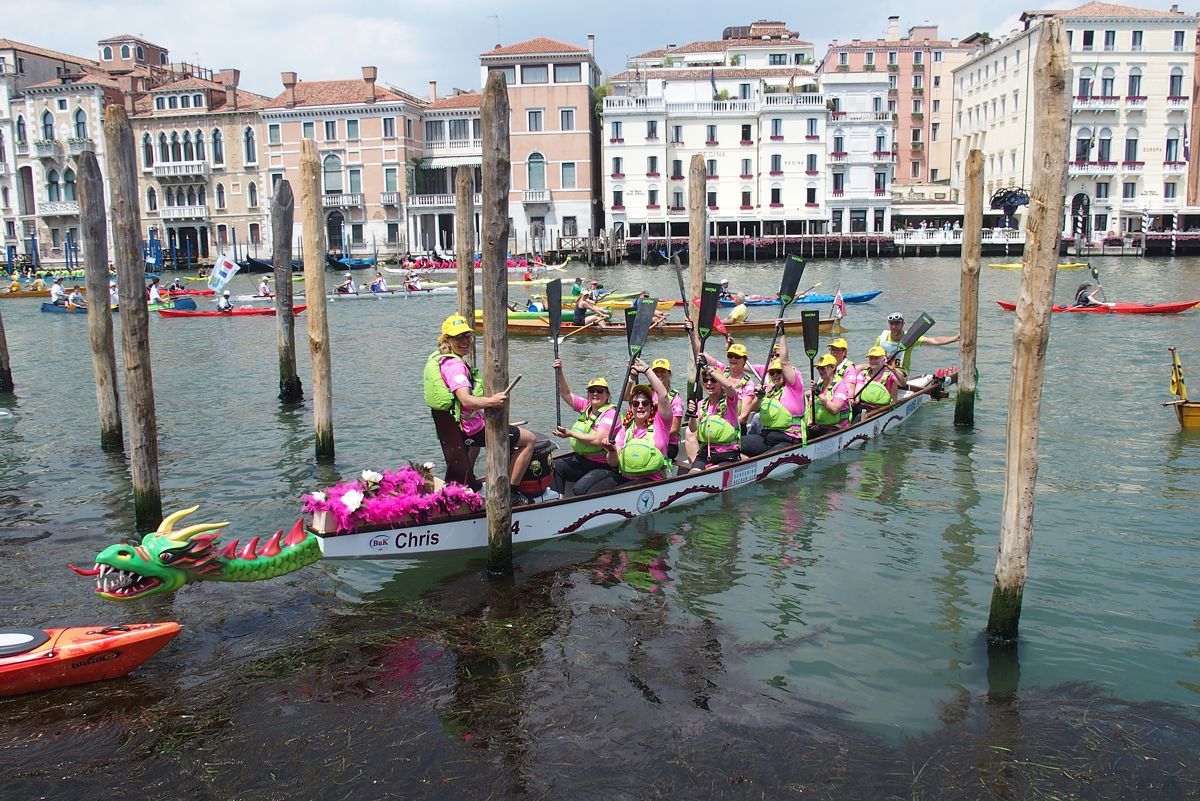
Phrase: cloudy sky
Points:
(413, 43)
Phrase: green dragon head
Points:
(168, 559)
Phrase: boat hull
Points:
(82, 654)
(1019, 266)
(50, 308)
(1118, 308)
(1188, 413)
(762, 300)
(565, 516)
(244, 312)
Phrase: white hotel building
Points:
(764, 147)
(1132, 73)
(861, 152)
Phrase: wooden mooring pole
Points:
(283, 209)
(120, 160)
(93, 227)
(464, 250)
(494, 277)
(6, 379)
(697, 224)
(968, 291)
(1031, 331)
(314, 294)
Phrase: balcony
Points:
(1174, 167)
(389, 199)
(1177, 101)
(446, 147)
(533, 197)
(837, 115)
(918, 91)
(838, 193)
(676, 210)
(779, 138)
(1135, 103)
(58, 208)
(1132, 166)
(1095, 103)
(881, 193)
(893, 67)
(918, 67)
(838, 155)
(183, 212)
(812, 205)
(438, 201)
(1092, 168)
(347, 200)
(48, 149)
(916, 146)
(181, 170)
(77, 145)
(22, 148)
(633, 104)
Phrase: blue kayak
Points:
(765, 300)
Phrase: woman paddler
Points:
(879, 382)
(453, 387)
(588, 433)
(639, 449)
(831, 406)
(714, 419)
(781, 408)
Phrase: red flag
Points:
(718, 326)
(839, 306)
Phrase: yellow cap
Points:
(661, 364)
(839, 343)
(775, 365)
(826, 361)
(876, 351)
(737, 349)
(456, 324)
(598, 381)
(642, 389)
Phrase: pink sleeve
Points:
(606, 420)
(578, 403)
(454, 373)
(662, 431)
(677, 405)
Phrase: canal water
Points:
(817, 636)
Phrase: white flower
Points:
(371, 477)
(352, 500)
(319, 497)
(428, 466)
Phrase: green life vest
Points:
(714, 429)
(437, 395)
(584, 425)
(639, 456)
(875, 394)
(822, 416)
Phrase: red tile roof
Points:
(335, 93)
(1104, 10)
(541, 44)
(720, 46)
(125, 37)
(460, 100)
(6, 44)
(703, 73)
(190, 82)
(143, 106)
(97, 78)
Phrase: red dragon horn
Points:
(248, 552)
(296, 535)
(272, 547)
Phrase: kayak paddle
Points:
(810, 322)
(554, 306)
(793, 271)
(1096, 278)
(639, 328)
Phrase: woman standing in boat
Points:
(588, 434)
(639, 449)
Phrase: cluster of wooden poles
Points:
(1030, 336)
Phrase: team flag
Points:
(1177, 385)
(839, 306)
(222, 273)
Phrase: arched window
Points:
(1086, 77)
(251, 149)
(162, 59)
(160, 103)
(53, 190)
(198, 101)
(1135, 82)
(331, 174)
(180, 198)
(218, 148)
(176, 147)
(1171, 153)
(191, 196)
(188, 153)
(151, 199)
(1107, 80)
(3, 155)
(141, 54)
(47, 126)
(81, 131)
(147, 151)
(1175, 87)
(201, 197)
(1083, 144)
(164, 152)
(1104, 146)
(125, 51)
(69, 184)
(199, 145)
(21, 135)
(168, 197)
(535, 167)
(1131, 145)
(252, 195)
(220, 196)
(106, 53)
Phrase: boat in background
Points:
(1016, 265)
(42, 659)
(771, 300)
(51, 308)
(1118, 308)
(541, 326)
(1187, 411)
(245, 311)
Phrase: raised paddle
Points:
(805, 292)
(630, 316)
(810, 322)
(554, 305)
(916, 331)
(793, 271)
(710, 296)
(683, 296)
(640, 330)
(1096, 278)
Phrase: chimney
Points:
(289, 89)
(592, 44)
(433, 91)
(954, 41)
(1174, 8)
(369, 74)
(893, 29)
(230, 79)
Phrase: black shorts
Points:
(477, 440)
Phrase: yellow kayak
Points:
(1075, 265)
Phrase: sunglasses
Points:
(462, 337)
(597, 391)
(708, 379)
(774, 372)
(638, 404)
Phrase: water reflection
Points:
(959, 559)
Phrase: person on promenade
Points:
(890, 340)
(587, 434)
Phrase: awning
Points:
(453, 161)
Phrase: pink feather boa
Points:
(398, 498)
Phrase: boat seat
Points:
(19, 641)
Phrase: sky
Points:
(413, 43)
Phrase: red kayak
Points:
(42, 659)
(245, 311)
(1115, 308)
(179, 293)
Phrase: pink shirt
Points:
(662, 430)
(602, 425)
(456, 375)
(676, 413)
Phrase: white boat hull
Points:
(563, 517)
(403, 294)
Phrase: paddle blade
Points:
(793, 271)
(554, 305)
(810, 322)
(643, 318)
(710, 295)
(923, 323)
(630, 317)
(1095, 272)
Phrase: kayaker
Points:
(879, 383)
(452, 386)
(75, 298)
(725, 293)
(58, 295)
(781, 407)
(588, 433)
(587, 312)
(714, 419)
(264, 287)
(38, 285)
(845, 369)
(890, 340)
(577, 287)
(1086, 296)
(225, 304)
(114, 298)
(176, 286)
(660, 317)
(738, 314)
(154, 292)
(638, 450)
(15, 286)
(347, 287)
(379, 284)
(831, 406)
(533, 304)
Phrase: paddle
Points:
(1096, 278)
(569, 334)
(554, 306)
(810, 321)
(630, 317)
(924, 323)
(793, 271)
(805, 292)
(710, 297)
(640, 325)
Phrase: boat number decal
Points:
(411, 539)
(645, 502)
(96, 659)
(743, 474)
(516, 527)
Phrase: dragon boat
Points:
(771, 300)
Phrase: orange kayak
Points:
(42, 659)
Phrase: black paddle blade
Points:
(554, 306)
(810, 321)
(1095, 273)
(710, 294)
(923, 323)
(630, 316)
(639, 329)
(793, 271)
